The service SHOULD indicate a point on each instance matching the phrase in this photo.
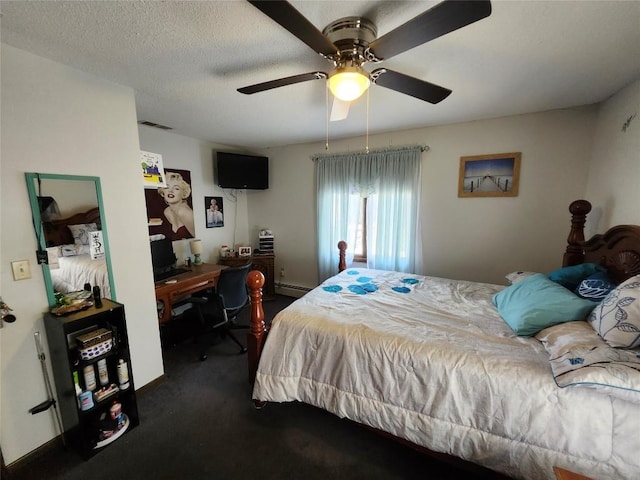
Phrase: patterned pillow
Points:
(595, 287)
(617, 317)
(73, 249)
(579, 357)
(69, 250)
(81, 231)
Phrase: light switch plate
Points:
(21, 270)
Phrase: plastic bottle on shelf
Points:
(89, 377)
(103, 374)
(86, 400)
(97, 297)
(123, 374)
(116, 414)
(76, 384)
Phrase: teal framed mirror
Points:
(71, 233)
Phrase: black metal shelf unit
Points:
(90, 429)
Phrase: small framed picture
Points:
(244, 251)
(213, 209)
(494, 175)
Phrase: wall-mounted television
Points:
(239, 170)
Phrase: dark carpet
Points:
(199, 423)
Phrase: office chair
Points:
(218, 311)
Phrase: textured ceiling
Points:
(185, 61)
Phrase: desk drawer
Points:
(184, 289)
(201, 277)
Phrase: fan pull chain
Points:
(326, 109)
(367, 138)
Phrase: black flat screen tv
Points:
(238, 170)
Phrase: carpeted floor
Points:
(199, 423)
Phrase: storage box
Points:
(95, 343)
(93, 337)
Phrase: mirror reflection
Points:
(71, 233)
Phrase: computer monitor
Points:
(162, 256)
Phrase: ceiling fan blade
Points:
(443, 18)
(288, 17)
(339, 110)
(282, 82)
(402, 83)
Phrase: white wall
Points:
(614, 174)
(59, 120)
(186, 153)
(478, 239)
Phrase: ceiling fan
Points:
(350, 42)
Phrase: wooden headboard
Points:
(618, 249)
(57, 233)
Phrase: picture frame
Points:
(492, 175)
(152, 170)
(214, 212)
(96, 245)
(244, 251)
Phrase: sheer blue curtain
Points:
(390, 181)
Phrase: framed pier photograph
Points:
(494, 175)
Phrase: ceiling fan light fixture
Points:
(348, 83)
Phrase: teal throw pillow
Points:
(570, 277)
(536, 303)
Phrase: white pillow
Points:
(515, 277)
(81, 231)
(617, 317)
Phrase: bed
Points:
(70, 262)
(432, 362)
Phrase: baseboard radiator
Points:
(291, 290)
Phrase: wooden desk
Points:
(200, 277)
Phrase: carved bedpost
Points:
(574, 253)
(257, 330)
(342, 264)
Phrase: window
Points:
(371, 201)
(360, 244)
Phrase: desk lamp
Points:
(196, 249)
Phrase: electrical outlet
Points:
(282, 272)
(21, 270)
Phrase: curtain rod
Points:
(423, 148)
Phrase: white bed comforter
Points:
(431, 361)
(73, 272)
